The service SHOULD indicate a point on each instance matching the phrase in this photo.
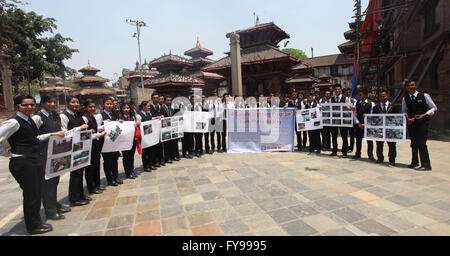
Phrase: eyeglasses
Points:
(28, 105)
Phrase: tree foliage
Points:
(296, 53)
(33, 55)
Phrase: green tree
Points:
(32, 54)
(296, 53)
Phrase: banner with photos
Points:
(308, 119)
(172, 128)
(337, 114)
(196, 121)
(385, 127)
(150, 133)
(67, 154)
(119, 136)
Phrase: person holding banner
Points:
(208, 106)
(170, 147)
(110, 159)
(126, 114)
(48, 121)
(314, 135)
(227, 103)
(71, 119)
(147, 156)
(92, 172)
(25, 165)
(363, 106)
(326, 142)
(351, 131)
(196, 138)
(155, 110)
(419, 107)
(385, 107)
(295, 103)
(339, 98)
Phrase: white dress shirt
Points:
(432, 107)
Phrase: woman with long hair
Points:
(127, 114)
(145, 115)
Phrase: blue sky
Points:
(101, 34)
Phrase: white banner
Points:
(119, 136)
(337, 114)
(67, 154)
(196, 121)
(172, 128)
(385, 127)
(308, 119)
(150, 132)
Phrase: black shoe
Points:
(41, 229)
(56, 216)
(198, 155)
(119, 181)
(130, 176)
(344, 156)
(163, 163)
(413, 165)
(79, 203)
(177, 159)
(219, 151)
(169, 161)
(372, 158)
(350, 150)
(392, 163)
(380, 161)
(333, 154)
(224, 151)
(425, 168)
(96, 191)
(102, 188)
(147, 169)
(113, 183)
(357, 156)
(212, 151)
(318, 152)
(63, 209)
(86, 198)
(157, 165)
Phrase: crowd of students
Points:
(25, 137)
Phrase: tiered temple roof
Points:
(198, 51)
(267, 33)
(91, 84)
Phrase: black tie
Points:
(384, 107)
(413, 97)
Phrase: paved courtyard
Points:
(259, 194)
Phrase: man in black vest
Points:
(295, 103)
(208, 106)
(170, 147)
(385, 107)
(363, 106)
(314, 135)
(156, 111)
(326, 140)
(339, 98)
(419, 107)
(351, 131)
(25, 164)
(48, 121)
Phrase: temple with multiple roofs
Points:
(264, 66)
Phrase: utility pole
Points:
(138, 25)
(358, 21)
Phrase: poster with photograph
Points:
(150, 132)
(385, 127)
(196, 121)
(309, 119)
(68, 154)
(172, 128)
(337, 114)
(119, 136)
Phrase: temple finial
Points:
(198, 43)
(257, 20)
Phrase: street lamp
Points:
(138, 25)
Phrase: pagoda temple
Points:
(173, 78)
(56, 86)
(199, 60)
(91, 85)
(303, 78)
(264, 66)
(134, 81)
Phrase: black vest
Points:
(167, 111)
(343, 98)
(92, 123)
(48, 125)
(418, 106)
(25, 141)
(378, 109)
(310, 105)
(361, 109)
(73, 121)
(145, 117)
(112, 118)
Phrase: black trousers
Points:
(207, 136)
(49, 196)
(299, 140)
(187, 143)
(153, 155)
(351, 133)
(326, 140)
(159, 153)
(198, 140)
(92, 172)
(392, 151)
(146, 158)
(305, 138)
(418, 133)
(222, 137)
(76, 192)
(314, 140)
(359, 137)
(128, 159)
(29, 174)
(334, 134)
(110, 166)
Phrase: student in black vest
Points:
(384, 107)
(208, 106)
(157, 150)
(92, 172)
(25, 164)
(147, 160)
(339, 98)
(326, 131)
(419, 107)
(195, 138)
(363, 106)
(165, 149)
(295, 103)
(110, 166)
(126, 114)
(170, 147)
(71, 119)
(48, 121)
(314, 135)
(351, 131)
